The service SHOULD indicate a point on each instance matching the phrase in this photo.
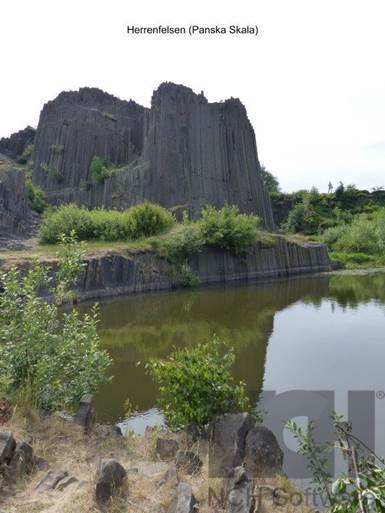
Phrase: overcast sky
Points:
(313, 80)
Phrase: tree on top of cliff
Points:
(270, 181)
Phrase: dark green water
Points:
(312, 333)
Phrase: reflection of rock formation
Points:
(183, 152)
(241, 316)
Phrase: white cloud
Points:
(312, 81)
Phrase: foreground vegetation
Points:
(48, 360)
(196, 385)
(360, 491)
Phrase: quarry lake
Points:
(322, 332)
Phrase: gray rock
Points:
(110, 479)
(206, 150)
(170, 477)
(14, 145)
(194, 433)
(184, 500)
(263, 456)
(227, 436)
(40, 463)
(188, 461)
(22, 462)
(66, 482)
(150, 468)
(16, 216)
(240, 498)
(51, 480)
(85, 416)
(166, 448)
(7, 447)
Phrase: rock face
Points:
(263, 456)
(235, 441)
(14, 145)
(77, 126)
(115, 274)
(110, 479)
(85, 416)
(183, 152)
(166, 448)
(240, 498)
(227, 443)
(7, 447)
(184, 500)
(15, 210)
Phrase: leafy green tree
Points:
(49, 357)
(196, 385)
(303, 217)
(270, 181)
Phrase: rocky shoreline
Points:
(110, 273)
(233, 466)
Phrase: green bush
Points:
(35, 196)
(365, 234)
(187, 278)
(109, 225)
(99, 169)
(56, 174)
(148, 219)
(26, 155)
(303, 218)
(64, 220)
(49, 357)
(228, 229)
(196, 385)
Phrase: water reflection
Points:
(276, 329)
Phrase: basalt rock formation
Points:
(184, 152)
(14, 145)
(15, 211)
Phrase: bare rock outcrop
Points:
(75, 127)
(14, 145)
(184, 152)
(15, 211)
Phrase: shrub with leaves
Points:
(35, 196)
(361, 492)
(99, 169)
(196, 385)
(100, 224)
(227, 228)
(49, 358)
(64, 220)
(148, 219)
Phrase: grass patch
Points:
(356, 260)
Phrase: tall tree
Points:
(270, 181)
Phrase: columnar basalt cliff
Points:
(183, 152)
(15, 212)
(14, 145)
(113, 273)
